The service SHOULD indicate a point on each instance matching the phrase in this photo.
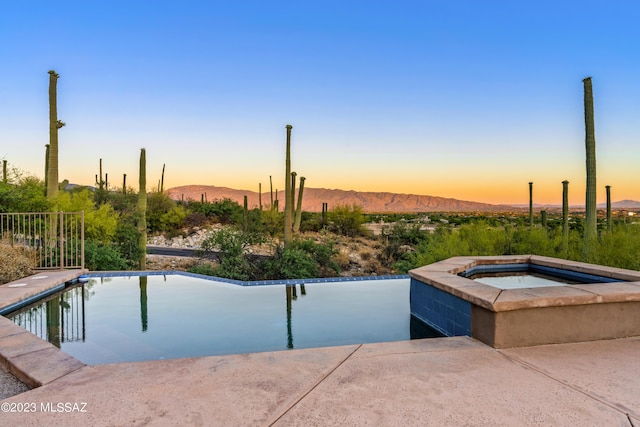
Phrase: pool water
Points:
(519, 280)
(135, 318)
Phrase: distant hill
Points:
(622, 204)
(371, 202)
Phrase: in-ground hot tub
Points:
(581, 302)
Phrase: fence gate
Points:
(55, 239)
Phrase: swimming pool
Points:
(135, 318)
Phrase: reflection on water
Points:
(143, 303)
(58, 319)
(292, 295)
(153, 317)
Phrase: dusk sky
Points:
(463, 99)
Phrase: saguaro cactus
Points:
(608, 188)
(162, 180)
(4, 171)
(54, 125)
(325, 208)
(531, 204)
(293, 198)
(260, 195)
(288, 207)
(124, 183)
(271, 189)
(298, 218)
(565, 217)
(591, 225)
(100, 183)
(142, 209)
(144, 317)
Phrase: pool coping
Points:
(443, 275)
(31, 359)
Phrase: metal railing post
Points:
(61, 239)
(82, 238)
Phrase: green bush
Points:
(102, 257)
(302, 259)
(273, 222)
(123, 203)
(100, 223)
(225, 211)
(291, 263)
(230, 244)
(163, 213)
(395, 239)
(203, 268)
(311, 221)
(620, 247)
(25, 195)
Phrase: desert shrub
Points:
(468, 239)
(163, 213)
(322, 253)
(397, 239)
(273, 222)
(225, 211)
(100, 223)
(195, 219)
(620, 247)
(16, 262)
(123, 203)
(347, 220)
(230, 243)
(203, 268)
(99, 256)
(291, 263)
(310, 222)
(303, 258)
(342, 259)
(252, 222)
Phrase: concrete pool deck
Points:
(441, 381)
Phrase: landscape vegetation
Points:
(277, 239)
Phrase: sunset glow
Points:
(467, 100)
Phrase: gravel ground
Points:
(10, 385)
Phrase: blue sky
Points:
(463, 99)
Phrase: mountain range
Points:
(312, 199)
(371, 202)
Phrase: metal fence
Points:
(55, 239)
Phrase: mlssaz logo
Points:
(63, 407)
